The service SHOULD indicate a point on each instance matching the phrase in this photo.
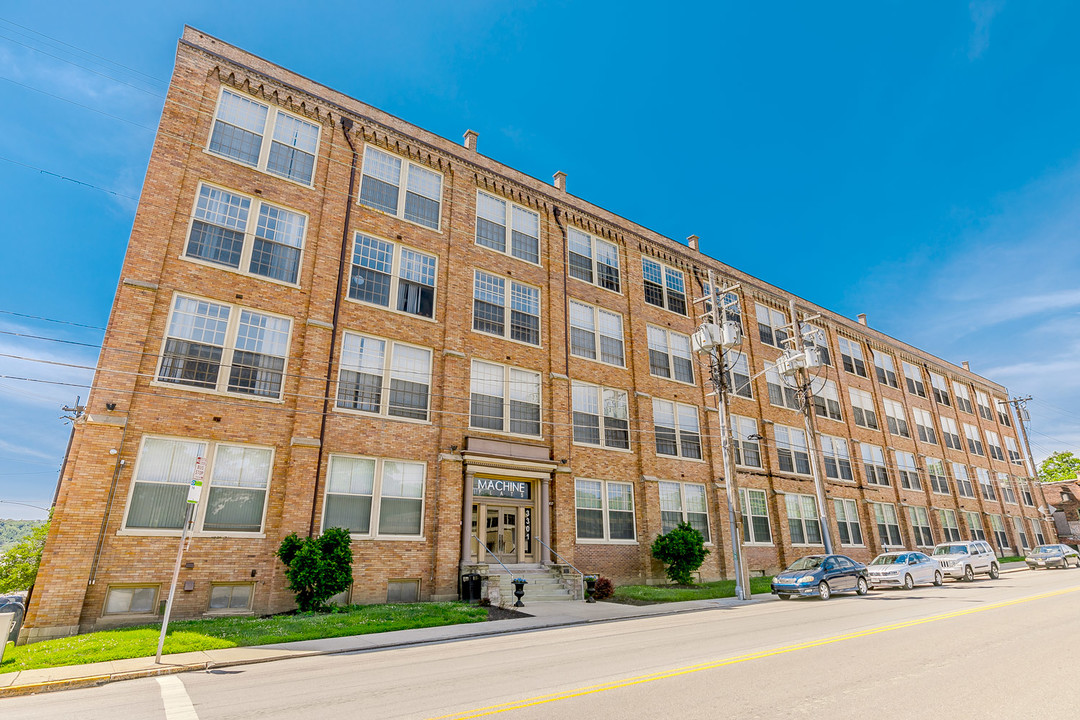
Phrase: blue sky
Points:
(919, 162)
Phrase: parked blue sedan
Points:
(821, 576)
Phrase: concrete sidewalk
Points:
(541, 615)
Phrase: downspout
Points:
(346, 127)
(550, 499)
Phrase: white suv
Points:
(963, 560)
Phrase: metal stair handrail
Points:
(568, 563)
(495, 556)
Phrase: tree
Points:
(317, 568)
(19, 565)
(1059, 466)
(682, 550)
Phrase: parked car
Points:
(820, 576)
(1048, 556)
(903, 569)
(964, 560)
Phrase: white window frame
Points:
(229, 609)
(791, 444)
(974, 440)
(1015, 457)
(599, 397)
(669, 350)
(773, 323)
(982, 404)
(668, 293)
(846, 511)
(874, 468)
(882, 517)
(939, 481)
(683, 510)
(920, 526)
(405, 167)
(600, 316)
(378, 496)
(827, 402)
(950, 525)
(737, 371)
(997, 529)
(1003, 412)
(779, 390)
(680, 412)
(851, 354)
(1021, 533)
(908, 470)
(975, 532)
(1038, 536)
(574, 235)
(964, 486)
(993, 445)
(913, 379)
(986, 484)
(508, 372)
(862, 403)
(511, 289)
(1008, 494)
(802, 513)
(386, 378)
(835, 450)
(951, 434)
(896, 418)
(924, 426)
(509, 225)
(605, 510)
(815, 337)
(941, 389)
(963, 398)
(397, 250)
(750, 534)
(741, 430)
(121, 587)
(885, 368)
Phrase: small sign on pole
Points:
(195, 489)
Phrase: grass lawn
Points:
(210, 634)
(678, 593)
(1011, 558)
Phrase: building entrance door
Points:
(501, 532)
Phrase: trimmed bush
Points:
(682, 550)
(317, 568)
(603, 589)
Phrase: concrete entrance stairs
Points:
(544, 584)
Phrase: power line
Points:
(51, 320)
(69, 179)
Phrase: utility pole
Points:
(1022, 415)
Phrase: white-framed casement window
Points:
(974, 442)
(964, 488)
(950, 528)
(993, 445)
(593, 260)
(498, 220)
(997, 525)
(1037, 532)
(384, 377)
(730, 307)
(234, 497)
(827, 402)
(792, 452)
(755, 517)
(684, 502)
(908, 470)
(264, 137)
(737, 373)
(780, 393)
(392, 276)
(814, 337)
(669, 354)
(1003, 412)
(975, 526)
(920, 526)
(665, 286)
(950, 433)
(1025, 493)
(803, 522)
(1014, 452)
(225, 348)
(885, 368)
(939, 481)
(982, 403)
(772, 325)
(130, 600)
(837, 459)
(596, 334)
(1021, 533)
(242, 233)
(873, 458)
(401, 188)
(676, 428)
(924, 425)
(862, 408)
(914, 378)
(887, 525)
(231, 597)
(504, 399)
(605, 511)
(746, 445)
(895, 418)
(851, 356)
(847, 522)
(601, 416)
(963, 398)
(506, 308)
(1007, 493)
(941, 389)
(375, 497)
(986, 485)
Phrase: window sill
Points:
(629, 451)
(679, 457)
(388, 538)
(219, 393)
(506, 433)
(624, 543)
(380, 416)
(256, 168)
(146, 532)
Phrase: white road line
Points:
(177, 703)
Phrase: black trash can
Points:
(470, 587)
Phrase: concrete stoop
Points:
(543, 584)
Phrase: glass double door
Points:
(504, 532)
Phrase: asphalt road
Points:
(988, 649)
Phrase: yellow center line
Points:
(689, 669)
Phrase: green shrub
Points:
(317, 568)
(603, 589)
(682, 550)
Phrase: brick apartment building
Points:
(360, 324)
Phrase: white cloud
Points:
(982, 14)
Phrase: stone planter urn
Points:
(590, 587)
(519, 590)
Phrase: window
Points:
(415, 198)
(887, 525)
(950, 434)
(920, 526)
(974, 442)
(392, 276)
(792, 452)
(885, 368)
(1037, 531)
(605, 510)
(914, 378)
(131, 599)
(814, 337)
(593, 260)
(827, 402)
(504, 399)
(963, 398)
(950, 528)
(676, 428)
(803, 522)
(730, 307)
(238, 477)
(242, 126)
(964, 488)
(772, 326)
(669, 354)
(596, 333)
(924, 425)
(1021, 533)
(601, 416)
(1007, 493)
(1014, 452)
(908, 470)
(1025, 493)
(747, 450)
(780, 393)
(874, 464)
(755, 517)
(941, 390)
(993, 445)
(737, 374)
(231, 597)
(939, 482)
(683, 502)
(491, 306)
(975, 526)
(837, 460)
(376, 497)
(235, 231)
(664, 286)
(383, 377)
(1003, 412)
(862, 408)
(982, 402)
(895, 418)
(847, 522)
(496, 218)
(998, 528)
(986, 485)
(205, 337)
(851, 356)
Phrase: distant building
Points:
(1064, 499)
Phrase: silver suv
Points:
(963, 560)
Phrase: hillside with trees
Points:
(12, 531)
